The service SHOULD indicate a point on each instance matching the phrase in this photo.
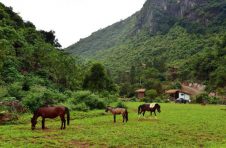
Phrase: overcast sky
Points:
(73, 19)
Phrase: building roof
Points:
(140, 90)
(173, 91)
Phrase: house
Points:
(140, 93)
(178, 94)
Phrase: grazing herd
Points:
(55, 111)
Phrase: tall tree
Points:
(97, 79)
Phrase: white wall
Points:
(184, 96)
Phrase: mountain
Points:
(163, 34)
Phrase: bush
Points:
(214, 100)
(81, 107)
(121, 105)
(40, 96)
(108, 97)
(158, 100)
(133, 99)
(147, 100)
(92, 101)
(202, 98)
(205, 98)
(152, 93)
(15, 90)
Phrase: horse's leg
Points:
(62, 122)
(155, 115)
(43, 123)
(114, 118)
(140, 114)
(143, 114)
(123, 116)
(150, 114)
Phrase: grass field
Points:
(178, 125)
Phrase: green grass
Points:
(178, 125)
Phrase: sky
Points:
(73, 19)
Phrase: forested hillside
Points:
(35, 71)
(187, 36)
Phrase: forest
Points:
(141, 51)
(36, 71)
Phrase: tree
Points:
(50, 38)
(151, 94)
(132, 75)
(97, 79)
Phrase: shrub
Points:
(40, 96)
(81, 107)
(133, 99)
(15, 90)
(121, 104)
(158, 100)
(214, 100)
(205, 98)
(91, 100)
(152, 93)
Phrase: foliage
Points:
(97, 79)
(151, 94)
(205, 98)
(120, 104)
(142, 49)
(86, 99)
(42, 96)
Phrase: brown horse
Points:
(117, 111)
(148, 107)
(51, 112)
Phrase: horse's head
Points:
(33, 123)
(158, 107)
(107, 108)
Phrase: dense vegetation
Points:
(35, 71)
(170, 40)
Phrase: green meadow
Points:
(178, 125)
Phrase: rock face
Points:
(160, 15)
(124, 43)
(156, 17)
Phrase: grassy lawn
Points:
(178, 125)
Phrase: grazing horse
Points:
(148, 107)
(117, 111)
(50, 112)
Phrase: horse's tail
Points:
(68, 115)
(127, 118)
(139, 108)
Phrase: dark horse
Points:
(117, 111)
(50, 112)
(148, 107)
